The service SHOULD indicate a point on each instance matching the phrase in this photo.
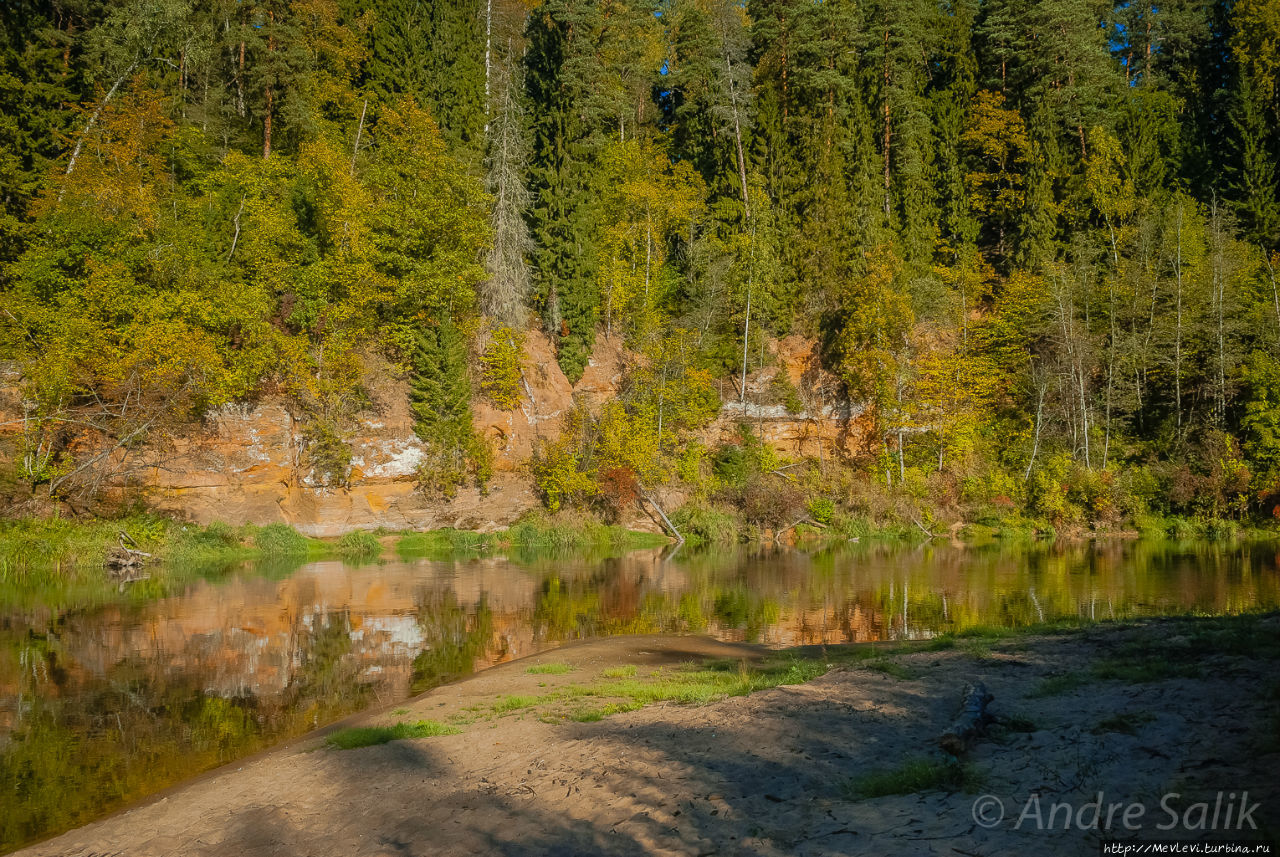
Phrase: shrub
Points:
(500, 368)
(359, 545)
(281, 540)
(785, 393)
(702, 524)
(821, 509)
(327, 455)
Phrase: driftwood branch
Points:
(970, 722)
(124, 560)
(792, 526)
(916, 521)
(670, 526)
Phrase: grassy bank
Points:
(536, 533)
(66, 560)
(1127, 653)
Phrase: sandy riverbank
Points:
(1137, 713)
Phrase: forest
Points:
(1038, 241)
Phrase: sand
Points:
(766, 774)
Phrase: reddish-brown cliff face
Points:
(246, 463)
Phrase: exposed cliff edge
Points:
(246, 462)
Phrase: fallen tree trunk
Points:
(654, 503)
(970, 723)
(123, 558)
(792, 526)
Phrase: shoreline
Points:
(1184, 704)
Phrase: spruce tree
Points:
(565, 144)
(440, 401)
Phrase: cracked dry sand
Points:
(758, 775)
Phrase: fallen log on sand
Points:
(970, 723)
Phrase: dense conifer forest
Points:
(1037, 239)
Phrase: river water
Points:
(106, 701)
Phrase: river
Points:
(107, 701)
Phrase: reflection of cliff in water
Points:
(253, 637)
(101, 705)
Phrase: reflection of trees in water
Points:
(84, 727)
(454, 638)
(78, 749)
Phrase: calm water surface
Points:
(107, 701)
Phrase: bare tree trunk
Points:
(270, 93)
(488, 54)
(93, 119)
(1177, 337)
(746, 327)
(887, 125)
(1219, 299)
(737, 134)
(359, 130)
(1275, 290)
(1035, 442)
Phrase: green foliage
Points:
(786, 393)
(281, 540)
(500, 374)
(1036, 240)
(328, 454)
(549, 669)
(359, 544)
(706, 525)
(354, 737)
(440, 401)
(821, 509)
(915, 775)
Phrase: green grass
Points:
(511, 703)
(568, 530)
(359, 545)
(915, 775)
(1056, 685)
(444, 542)
(549, 669)
(628, 671)
(1144, 670)
(702, 684)
(284, 540)
(1126, 723)
(891, 668)
(368, 736)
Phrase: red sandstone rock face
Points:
(245, 464)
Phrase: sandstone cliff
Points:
(246, 462)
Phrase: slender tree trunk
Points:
(240, 105)
(1275, 288)
(270, 92)
(488, 53)
(1219, 299)
(1111, 344)
(1177, 336)
(93, 119)
(746, 327)
(1035, 442)
(737, 135)
(888, 126)
(359, 130)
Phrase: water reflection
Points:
(102, 703)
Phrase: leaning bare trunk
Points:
(93, 120)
